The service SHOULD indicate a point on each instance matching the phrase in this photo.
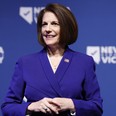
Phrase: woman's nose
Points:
(48, 28)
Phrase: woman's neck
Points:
(55, 55)
(59, 51)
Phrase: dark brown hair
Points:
(67, 21)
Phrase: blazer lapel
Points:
(54, 79)
(65, 62)
(49, 73)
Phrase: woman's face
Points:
(50, 29)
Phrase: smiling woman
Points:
(66, 21)
(50, 29)
(56, 80)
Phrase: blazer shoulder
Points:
(82, 57)
(83, 60)
(30, 57)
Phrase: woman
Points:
(56, 80)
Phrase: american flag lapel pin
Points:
(66, 60)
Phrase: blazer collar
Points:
(54, 79)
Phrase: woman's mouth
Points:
(50, 36)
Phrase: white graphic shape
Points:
(1, 55)
(27, 14)
(94, 51)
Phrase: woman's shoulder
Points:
(82, 59)
(81, 56)
(31, 56)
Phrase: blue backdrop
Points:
(97, 37)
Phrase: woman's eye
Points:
(55, 23)
(44, 24)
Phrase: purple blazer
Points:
(33, 78)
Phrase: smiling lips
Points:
(49, 36)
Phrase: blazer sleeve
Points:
(13, 104)
(91, 105)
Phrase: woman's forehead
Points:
(49, 16)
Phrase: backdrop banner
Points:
(97, 37)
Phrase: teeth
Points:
(49, 36)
